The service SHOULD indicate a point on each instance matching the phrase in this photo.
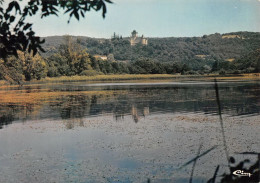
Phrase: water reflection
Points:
(136, 117)
(75, 101)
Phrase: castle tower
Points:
(134, 39)
(134, 34)
(143, 40)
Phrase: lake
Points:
(125, 131)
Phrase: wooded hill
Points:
(196, 52)
(231, 53)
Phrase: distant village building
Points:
(134, 39)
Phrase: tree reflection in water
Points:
(78, 102)
(73, 108)
(10, 113)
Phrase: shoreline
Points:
(134, 77)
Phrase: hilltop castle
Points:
(134, 39)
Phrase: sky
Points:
(158, 18)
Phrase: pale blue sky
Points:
(159, 18)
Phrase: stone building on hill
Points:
(134, 39)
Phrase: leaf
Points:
(99, 5)
(12, 18)
(30, 48)
(69, 9)
(54, 9)
(45, 14)
(12, 5)
(76, 14)
(108, 1)
(34, 51)
(104, 11)
(54, 13)
(42, 41)
(6, 16)
(20, 23)
(27, 26)
(82, 13)
(35, 8)
(42, 50)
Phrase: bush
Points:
(10, 74)
(237, 72)
(192, 72)
(249, 70)
(53, 72)
(89, 73)
(222, 72)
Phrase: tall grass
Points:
(124, 77)
(117, 77)
(113, 77)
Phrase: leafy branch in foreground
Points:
(17, 34)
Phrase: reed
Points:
(115, 77)
(118, 77)
(125, 77)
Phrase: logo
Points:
(241, 173)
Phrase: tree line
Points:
(72, 58)
(198, 53)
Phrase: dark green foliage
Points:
(185, 68)
(222, 65)
(89, 73)
(65, 63)
(57, 65)
(71, 60)
(222, 72)
(24, 66)
(198, 53)
(147, 66)
(249, 62)
(9, 74)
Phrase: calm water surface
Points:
(81, 100)
(100, 132)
